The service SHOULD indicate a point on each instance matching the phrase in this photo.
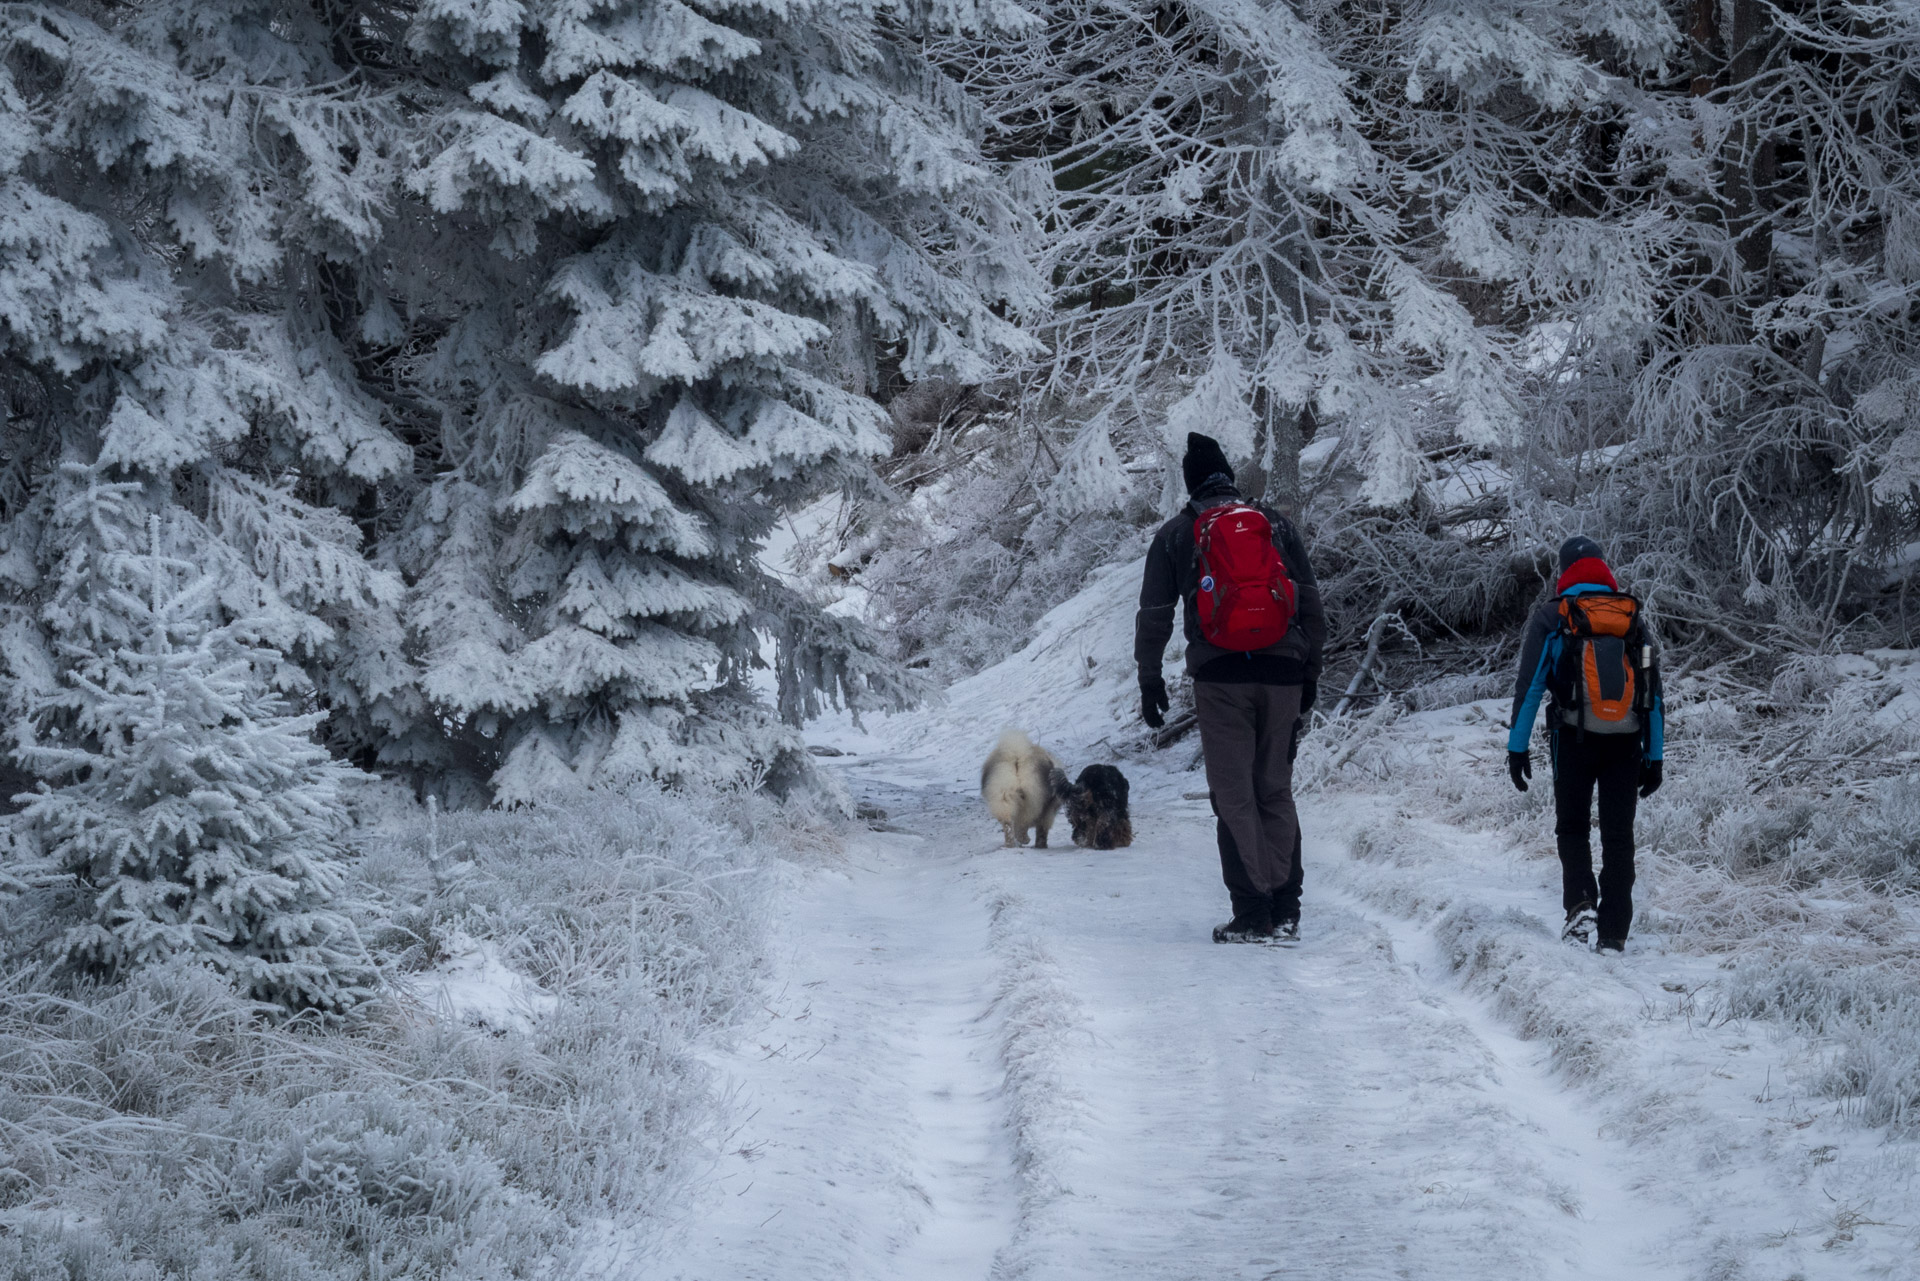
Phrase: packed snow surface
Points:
(981, 1062)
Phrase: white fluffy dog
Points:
(1022, 785)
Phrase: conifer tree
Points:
(489, 341)
(668, 243)
(185, 799)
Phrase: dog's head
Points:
(1097, 809)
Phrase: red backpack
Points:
(1246, 598)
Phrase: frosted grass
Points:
(165, 1127)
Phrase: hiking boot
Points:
(1580, 923)
(1287, 932)
(1244, 929)
(1611, 945)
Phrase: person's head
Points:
(1583, 563)
(1577, 548)
(1205, 466)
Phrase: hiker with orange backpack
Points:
(1591, 651)
(1254, 629)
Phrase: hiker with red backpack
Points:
(1254, 629)
(1591, 651)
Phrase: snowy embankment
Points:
(977, 1061)
(523, 1103)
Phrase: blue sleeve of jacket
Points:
(1537, 652)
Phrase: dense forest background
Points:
(476, 350)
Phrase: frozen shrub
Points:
(1759, 834)
(1803, 678)
(160, 1127)
(1884, 836)
(1451, 691)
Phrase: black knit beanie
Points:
(1579, 547)
(1204, 461)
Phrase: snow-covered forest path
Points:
(980, 1062)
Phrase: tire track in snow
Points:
(876, 1142)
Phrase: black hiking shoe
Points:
(1610, 945)
(1579, 926)
(1244, 929)
(1287, 932)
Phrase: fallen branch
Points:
(1174, 730)
(1753, 650)
(1376, 632)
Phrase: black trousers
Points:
(1609, 765)
(1246, 732)
(1282, 905)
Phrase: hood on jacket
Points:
(1588, 571)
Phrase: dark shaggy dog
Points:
(1097, 808)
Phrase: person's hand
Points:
(1520, 768)
(1293, 744)
(1309, 695)
(1650, 777)
(1153, 699)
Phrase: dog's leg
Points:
(1045, 825)
(1006, 832)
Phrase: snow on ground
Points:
(977, 1062)
(473, 984)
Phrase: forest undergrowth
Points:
(1785, 846)
(166, 1127)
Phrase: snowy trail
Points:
(1178, 1110)
(873, 1144)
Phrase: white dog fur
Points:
(1021, 785)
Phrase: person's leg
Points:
(1573, 779)
(1227, 743)
(1246, 899)
(1277, 708)
(1286, 899)
(1618, 779)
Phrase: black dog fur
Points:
(1097, 808)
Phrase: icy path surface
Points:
(980, 1062)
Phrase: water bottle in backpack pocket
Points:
(1602, 685)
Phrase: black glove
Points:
(1153, 699)
(1520, 768)
(1650, 779)
(1309, 694)
(1293, 745)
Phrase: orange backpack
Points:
(1602, 685)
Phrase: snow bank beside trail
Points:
(1752, 1037)
(1072, 688)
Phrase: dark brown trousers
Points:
(1244, 734)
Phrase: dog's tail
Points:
(1013, 746)
(1059, 784)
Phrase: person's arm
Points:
(1159, 593)
(1309, 613)
(1153, 627)
(1530, 680)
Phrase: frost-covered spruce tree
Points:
(180, 184)
(185, 799)
(534, 315)
(660, 248)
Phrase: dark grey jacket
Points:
(1173, 575)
